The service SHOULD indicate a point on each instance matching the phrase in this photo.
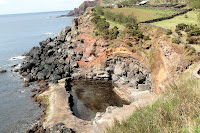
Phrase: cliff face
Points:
(82, 8)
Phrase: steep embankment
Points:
(136, 71)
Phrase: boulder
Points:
(26, 85)
(33, 90)
(52, 44)
(28, 78)
(55, 78)
(34, 51)
(14, 65)
(44, 43)
(103, 75)
(66, 30)
(41, 75)
(74, 64)
(50, 60)
(3, 71)
(118, 70)
(68, 38)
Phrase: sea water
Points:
(18, 34)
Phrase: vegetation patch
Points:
(142, 14)
(172, 23)
(192, 32)
(101, 19)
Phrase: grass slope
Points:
(143, 14)
(172, 23)
(176, 111)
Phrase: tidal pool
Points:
(90, 97)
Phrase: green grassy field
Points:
(171, 23)
(143, 14)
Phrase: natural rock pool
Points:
(90, 97)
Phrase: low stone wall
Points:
(168, 17)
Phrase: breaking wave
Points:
(17, 58)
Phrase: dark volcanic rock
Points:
(33, 90)
(14, 65)
(3, 71)
(48, 60)
(26, 85)
(43, 43)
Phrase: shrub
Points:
(99, 10)
(195, 32)
(174, 40)
(186, 16)
(169, 32)
(120, 18)
(113, 33)
(191, 40)
(181, 26)
(129, 44)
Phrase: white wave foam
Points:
(21, 91)
(17, 58)
(48, 33)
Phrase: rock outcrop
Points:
(82, 8)
(3, 71)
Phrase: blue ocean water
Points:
(18, 34)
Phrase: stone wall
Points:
(168, 17)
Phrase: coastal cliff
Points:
(137, 73)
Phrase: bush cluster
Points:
(133, 30)
(174, 40)
(195, 32)
(120, 18)
(191, 30)
(102, 28)
(98, 10)
(169, 32)
(192, 40)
